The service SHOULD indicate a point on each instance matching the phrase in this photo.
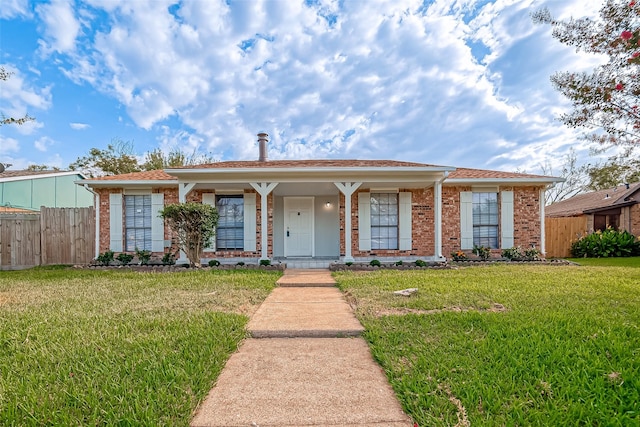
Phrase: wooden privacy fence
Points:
(559, 233)
(52, 236)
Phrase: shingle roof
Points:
(601, 199)
(463, 173)
(335, 163)
(19, 173)
(154, 175)
(460, 173)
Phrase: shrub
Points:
(105, 258)
(458, 256)
(483, 252)
(265, 262)
(348, 264)
(240, 263)
(607, 243)
(124, 258)
(531, 254)
(375, 263)
(399, 262)
(214, 263)
(143, 256)
(168, 259)
(420, 263)
(513, 254)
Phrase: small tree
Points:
(194, 225)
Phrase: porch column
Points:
(438, 218)
(184, 188)
(263, 188)
(347, 188)
(542, 230)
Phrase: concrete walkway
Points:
(322, 374)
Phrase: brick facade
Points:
(526, 221)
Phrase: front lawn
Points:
(507, 345)
(608, 262)
(115, 347)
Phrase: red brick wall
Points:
(526, 217)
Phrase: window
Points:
(137, 213)
(384, 220)
(485, 219)
(230, 230)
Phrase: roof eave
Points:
(292, 170)
(606, 208)
(41, 175)
(128, 183)
(531, 181)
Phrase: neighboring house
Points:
(617, 207)
(327, 209)
(29, 190)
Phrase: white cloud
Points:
(61, 27)
(8, 145)
(461, 82)
(43, 143)
(14, 8)
(79, 126)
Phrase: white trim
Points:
(250, 241)
(116, 235)
(44, 175)
(485, 189)
(503, 181)
(157, 223)
(210, 199)
(437, 203)
(404, 221)
(286, 204)
(466, 220)
(542, 223)
(184, 189)
(364, 221)
(506, 219)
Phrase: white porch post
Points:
(438, 218)
(347, 188)
(184, 188)
(263, 188)
(542, 231)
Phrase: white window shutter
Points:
(157, 223)
(115, 222)
(210, 199)
(364, 221)
(466, 220)
(250, 222)
(404, 221)
(506, 219)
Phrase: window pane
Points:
(384, 220)
(230, 230)
(137, 212)
(485, 219)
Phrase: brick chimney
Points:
(263, 139)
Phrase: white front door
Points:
(298, 226)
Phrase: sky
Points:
(460, 83)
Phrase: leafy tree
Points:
(157, 159)
(619, 169)
(4, 75)
(575, 178)
(42, 167)
(605, 101)
(194, 225)
(118, 158)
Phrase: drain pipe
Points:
(96, 198)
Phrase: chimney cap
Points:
(263, 134)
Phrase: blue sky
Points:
(460, 83)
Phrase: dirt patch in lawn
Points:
(401, 311)
(4, 298)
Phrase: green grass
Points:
(608, 262)
(118, 348)
(565, 350)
